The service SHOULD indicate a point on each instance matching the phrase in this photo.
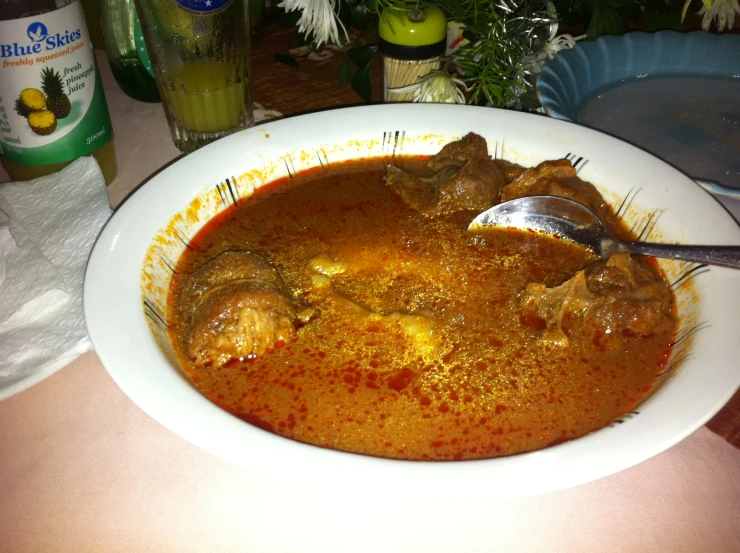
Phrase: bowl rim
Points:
(120, 249)
(567, 82)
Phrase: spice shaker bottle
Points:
(411, 42)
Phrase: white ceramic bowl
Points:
(130, 267)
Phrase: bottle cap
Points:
(406, 40)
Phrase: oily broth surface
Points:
(487, 387)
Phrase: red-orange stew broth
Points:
(463, 376)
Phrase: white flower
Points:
(437, 87)
(721, 10)
(318, 17)
(536, 62)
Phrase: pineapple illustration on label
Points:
(43, 109)
(57, 101)
(52, 107)
(42, 122)
(31, 104)
(30, 100)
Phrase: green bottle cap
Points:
(402, 38)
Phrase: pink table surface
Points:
(82, 469)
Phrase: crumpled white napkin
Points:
(47, 230)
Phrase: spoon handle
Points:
(724, 256)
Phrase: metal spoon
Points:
(571, 220)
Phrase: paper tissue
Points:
(47, 230)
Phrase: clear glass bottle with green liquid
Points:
(127, 54)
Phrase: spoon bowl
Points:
(574, 221)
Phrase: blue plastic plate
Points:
(676, 95)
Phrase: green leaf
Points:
(346, 72)
(605, 20)
(451, 6)
(631, 12)
(361, 82)
(358, 17)
(571, 19)
(288, 19)
(659, 21)
(362, 55)
(285, 59)
(370, 31)
(344, 13)
(469, 35)
(582, 6)
(529, 100)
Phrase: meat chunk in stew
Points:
(613, 298)
(465, 179)
(228, 267)
(242, 308)
(470, 146)
(511, 170)
(558, 178)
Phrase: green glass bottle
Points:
(127, 54)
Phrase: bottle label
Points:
(52, 107)
(203, 7)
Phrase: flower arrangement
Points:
(318, 18)
(500, 47)
(721, 11)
